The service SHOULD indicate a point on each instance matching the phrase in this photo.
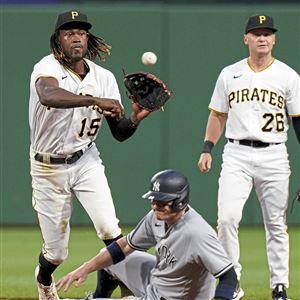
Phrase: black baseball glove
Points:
(147, 90)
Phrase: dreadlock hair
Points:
(96, 47)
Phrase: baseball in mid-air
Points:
(149, 58)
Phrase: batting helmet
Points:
(169, 185)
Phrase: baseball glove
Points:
(147, 90)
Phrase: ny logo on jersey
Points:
(156, 186)
(165, 252)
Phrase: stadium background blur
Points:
(193, 40)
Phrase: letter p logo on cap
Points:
(262, 19)
(74, 14)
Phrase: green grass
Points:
(20, 248)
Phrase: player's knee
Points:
(228, 222)
(108, 231)
(276, 226)
(56, 256)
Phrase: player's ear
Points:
(245, 39)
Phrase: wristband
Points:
(207, 147)
(116, 252)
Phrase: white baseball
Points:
(149, 58)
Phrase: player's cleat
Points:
(279, 293)
(89, 296)
(239, 293)
(46, 292)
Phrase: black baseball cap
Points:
(260, 21)
(71, 19)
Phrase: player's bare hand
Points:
(111, 107)
(139, 113)
(204, 162)
(78, 276)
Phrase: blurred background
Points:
(193, 40)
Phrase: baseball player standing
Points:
(188, 254)
(70, 96)
(255, 98)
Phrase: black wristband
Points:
(116, 252)
(207, 147)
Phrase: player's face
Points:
(74, 43)
(164, 212)
(260, 41)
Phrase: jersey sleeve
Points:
(293, 95)
(211, 254)
(46, 68)
(112, 90)
(218, 100)
(142, 237)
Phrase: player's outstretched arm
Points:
(100, 261)
(112, 254)
(124, 128)
(51, 95)
(214, 129)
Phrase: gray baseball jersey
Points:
(188, 255)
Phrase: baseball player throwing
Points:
(70, 96)
(255, 98)
(188, 254)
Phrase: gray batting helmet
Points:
(169, 185)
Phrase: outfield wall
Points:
(193, 43)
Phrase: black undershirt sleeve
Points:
(121, 129)
(296, 125)
(227, 285)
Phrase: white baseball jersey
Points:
(188, 256)
(257, 103)
(64, 131)
(59, 133)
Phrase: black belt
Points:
(255, 144)
(162, 298)
(61, 160)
